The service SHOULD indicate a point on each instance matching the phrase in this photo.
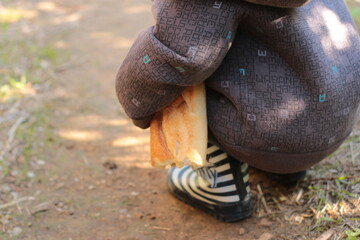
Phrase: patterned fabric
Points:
(283, 97)
(186, 46)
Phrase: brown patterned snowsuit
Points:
(283, 84)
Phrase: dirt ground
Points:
(97, 182)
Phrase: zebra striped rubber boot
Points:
(221, 188)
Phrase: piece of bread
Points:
(178, 133)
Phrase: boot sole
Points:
(224, 212)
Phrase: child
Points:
(281, 99)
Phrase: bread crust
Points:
(179, 131)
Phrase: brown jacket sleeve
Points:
(186, 46)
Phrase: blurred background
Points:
(72, 166)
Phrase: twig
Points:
(326, 235)
(15, 126)
(262, 198)
(9, 145)
(355, 156)
(6, 205)
(351, 227)
(277, 203)
(161, 228)
(17, 203)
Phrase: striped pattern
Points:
(212, 184)
(245, 174)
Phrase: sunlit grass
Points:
(26, 63)
(353, 234)
(15, 89)
(23, 58)
(12, 15)
(354, 8)
(22, 64)
(8, 15)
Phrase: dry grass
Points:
(26, 73)
(326, 201)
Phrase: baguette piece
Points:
(178, 133)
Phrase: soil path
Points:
(99, 180)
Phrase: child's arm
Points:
(185, 47)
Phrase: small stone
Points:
(71, 211)
(91, 187)
(60, 210)
(30, 174)
(266, 236)
(15, 195)
(45, 64)
(60, 204)
(264, 222)
(14, 173)
(241, 231)
(16, 231)
(123, 211)
(40, 162)
(298, 219)
(134, 193)
(5, 188)
(110, 165)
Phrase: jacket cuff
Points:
(143, 123)
(280, 3)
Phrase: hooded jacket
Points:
(282, 77)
